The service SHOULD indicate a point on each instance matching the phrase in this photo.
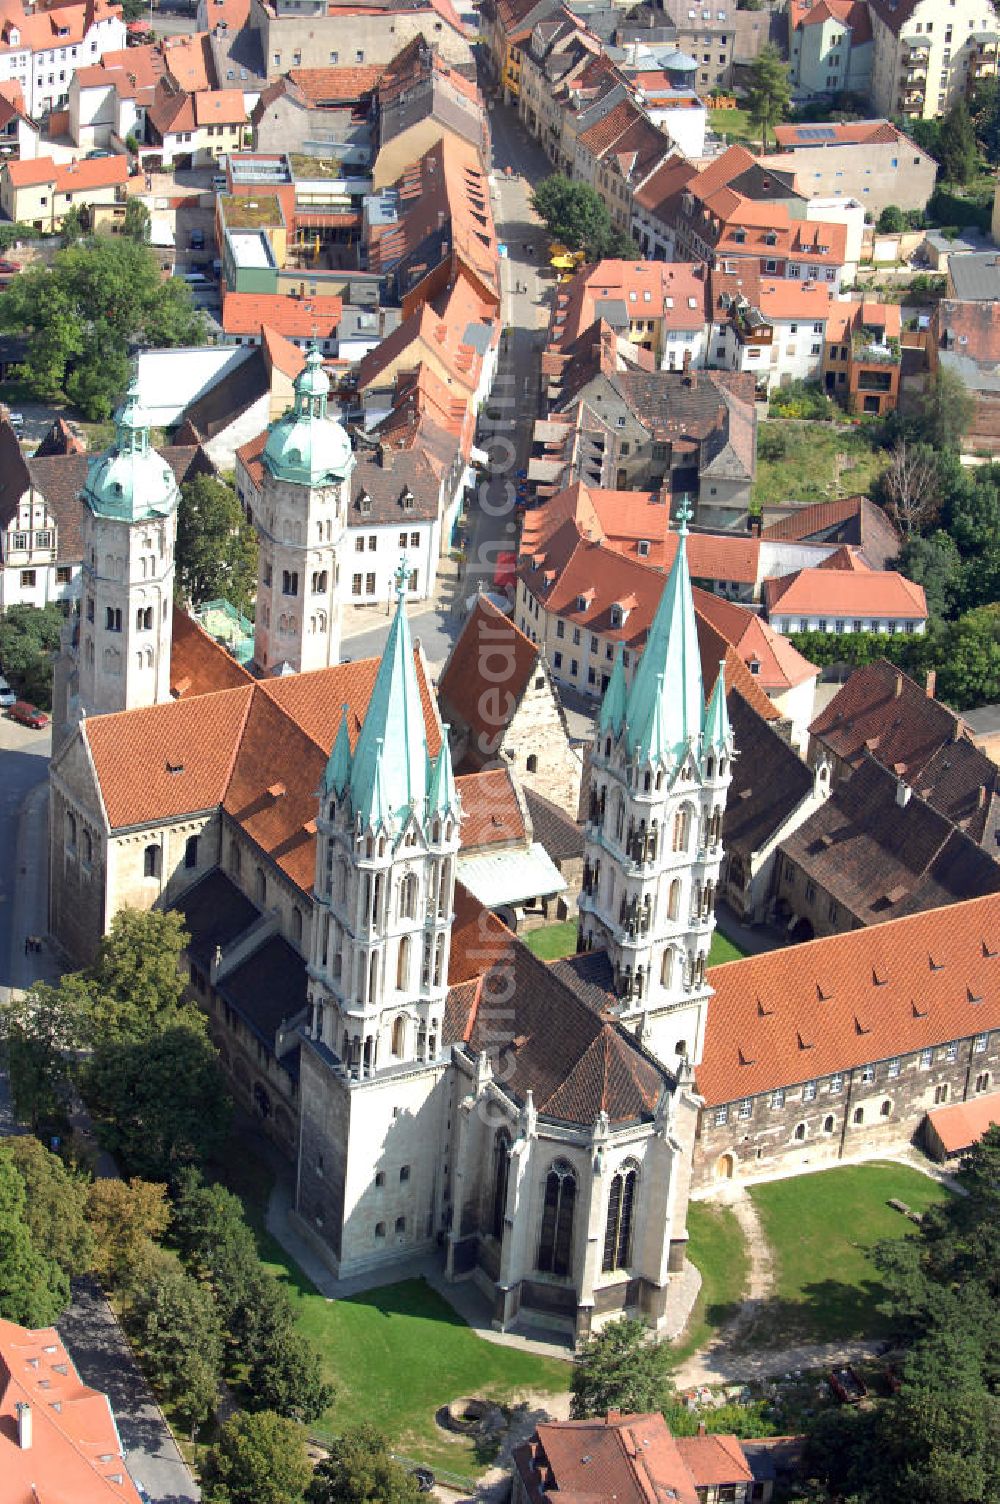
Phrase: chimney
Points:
(903, 792)
(931, 684)
(687, 361)
(24, 1425)
(899, 686)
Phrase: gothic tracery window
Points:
(621, 1213)
(555, 1243)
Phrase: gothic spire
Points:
(613, 704)
(389, 769)
(338, 767)
(442, 795)
(666, 703)
(718, 734)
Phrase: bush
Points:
(802, 399)
(890, 221)
(772, 443)
(947, 208)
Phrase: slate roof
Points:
(561, 836)
(879, 858)
(976, 277)
(769, 781)
(802, 1013)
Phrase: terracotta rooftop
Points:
(489, 640)
(963, 1123)
(492, 813)
(772, 660)
(804, 1012)
(247, 313)
(833, 593)
(852, 519)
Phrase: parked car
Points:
(220, 183)
(28, 715)
(9, 268)
(16, 421)
(99, 151)
(7, 695)
(197, 240)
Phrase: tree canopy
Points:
(769, 90)
(957, 144)
(216, 546)
(55, 1203)
(99, 298)
(127, 1219)
(173, 1321)
(361, 1470)
(620, 1368)
(29, 635)
(578, 218)
(257, 1459)
(138, 987)
(34, 1290)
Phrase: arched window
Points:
(403, 964)
(710, 768)
(859, 1114)
(532, 763)
(886, 1108)
(674, 899)
(667, 968)
(555, 1243)
(501, 1175)
(234, 859)
(399, 1036)
(408, 896)
(151, 861)
(715, 827)
(621, 1210)
(71, 832)
(800, 1130)
(619, 817)
(682, 828)
(260, 885)
(681, 1048)
(828, 1124)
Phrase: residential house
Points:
(18, 132)
(855, 520)
(657, 306)
(304, 321)
(195, 130)
(872, 161)
(109, 101)
(874, 851)
(314, 34)
(863, 355)
(786, 677)
(58, 1437)
(829, 47)
(965, 339)
(974, 278)
(839, 1047)
(662, 78)
(631, 1459)
(844, 595)
(882, 713)
(925, 60)
(562, 66)
(773, 329)
(40, 49)
(39, 191)
(773, 792)
(708, 34)
(510, 24)
(616, 153)
(320, 111)
(501, 705)
(421, 100)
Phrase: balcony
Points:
(871, 351)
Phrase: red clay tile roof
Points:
(772, 660)
(804, 1012)
(963, 1123)
(850, 13)
(247, 313)
(75, 1452)
(882, 711)
(882, 594)
(30, 171)
(198, 664)
(492, 814)
(486, 674)
(328, 86)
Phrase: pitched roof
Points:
(561, 836)
(488, 641)
(770, 657)
(328, 86)
(769, 782)
(851, 519)
(75, 1455)
(963, 1123)
(804, 1012)
(198, 664)
(881, 852)
(492, 814)
(880, 594)
(247, 313)
(673, 292)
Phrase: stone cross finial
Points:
(402, 576)
(684, 515)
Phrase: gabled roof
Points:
(75, 1454)
(492, 813)
(852, 519)
(248, 312)
(872, 594)
(487, 637)
(963, 1123)
(881, 851)
(803, 1012)
(769, 782)
(774, 662)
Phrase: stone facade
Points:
(537, 743)
(876, 1107)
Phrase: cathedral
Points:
(445, 1088)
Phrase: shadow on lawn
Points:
(829, 1311)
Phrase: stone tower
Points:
(388, 839)
(301, 524)
(119, 650)
(660, 770)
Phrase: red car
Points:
(505, 574)
(28, 715)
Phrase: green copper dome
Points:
(306, 446)
(131, 481)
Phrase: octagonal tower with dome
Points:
(129, 527)
(301, 524)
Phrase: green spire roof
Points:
(338, 767)
(131, 482)
(666, 703)
(389, 770)
(718, 734)
(442, 795)
(613, 704)
(306, 445)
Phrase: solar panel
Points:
(817, 133)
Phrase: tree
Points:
(99, 298)
(769, 91)
(137, 982)
(620, 1368)
(985, 112)
(361, 1470)
(41, 1029)
(160, 1103)
(74, 226)
(34, 1291)
(216, 546)
(577, 217)
(55, 1203)
(136, 224)
(126, 1221)
(909, 486)
(258, 1459)
(969, 674)
(28, 637)
(283, 1370)
(946, 411)
(935, 563)
(927, 135)
(957, 144)
(174, 1323)
(891, 221)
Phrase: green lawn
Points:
(735, 125)
(820, 1228)
(819, 464)
(717, 1249)
(723, 950)
(553, 941)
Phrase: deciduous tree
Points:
(41, 1029)
(137, 982)
(361, 1470)
(29, 635)
(620, 1368)
(174, 1323)
(577, 217)
(127, 1219)
(55, 1203)
(216, 546)
(34, 1290)
(769, 91)
(946, 412)
(909, 486)
(258, 1459)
